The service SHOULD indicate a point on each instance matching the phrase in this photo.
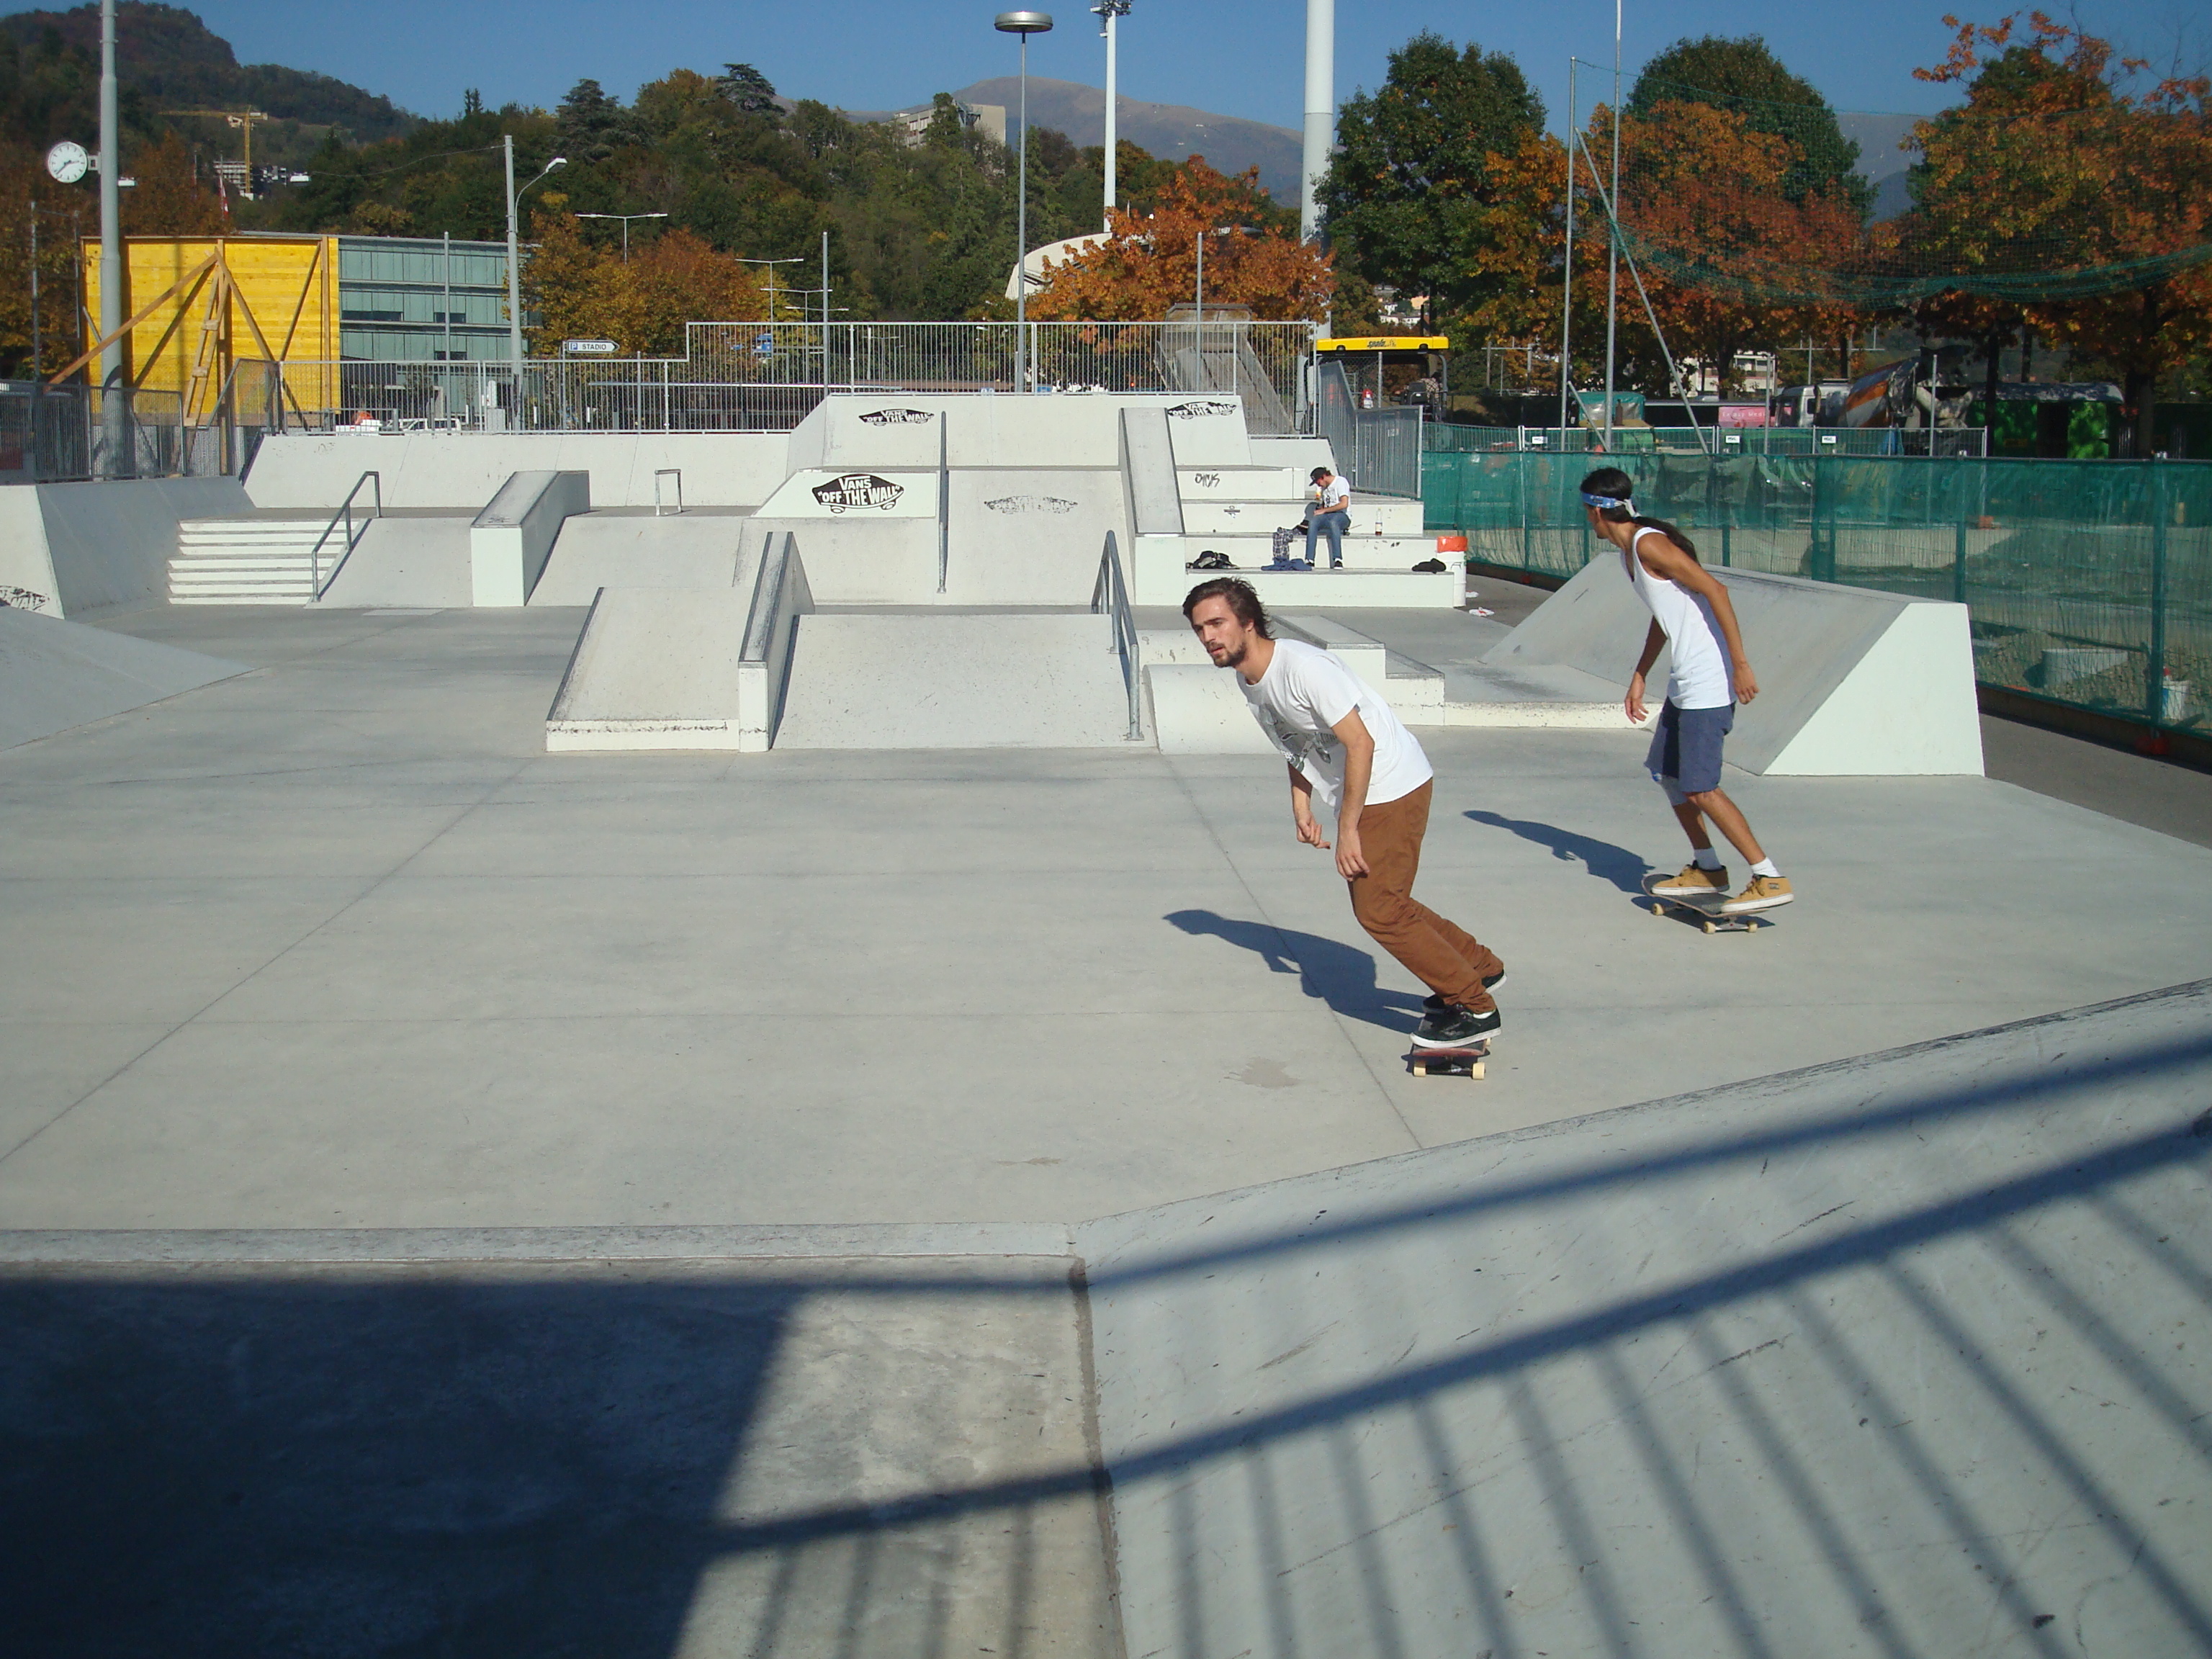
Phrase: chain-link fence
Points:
(2088, 583)
(1379, 449)
(66, 433)
(741, 377)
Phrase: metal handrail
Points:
(1111, 593)
(352, 541)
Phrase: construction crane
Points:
(243, 119)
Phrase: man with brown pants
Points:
(1344, 745)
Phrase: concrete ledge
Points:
(512, 539)
(1158, 577)
(1198, 710)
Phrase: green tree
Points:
(747, 90)
(1746, 78)
(593, 126)
(1407, 191)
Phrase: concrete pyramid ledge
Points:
(56, 674)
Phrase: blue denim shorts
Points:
(1686, 748)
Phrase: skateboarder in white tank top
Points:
(1708, 674)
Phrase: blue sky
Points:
(1235, 57)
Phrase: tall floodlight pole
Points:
(1321, 111)
(1613, 240)
(113, 415)
(1024, 23)
(1108, 11)
(1567, 296)
(514, 257)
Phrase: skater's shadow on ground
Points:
(1624, 869)
(1338, 975)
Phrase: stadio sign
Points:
(588, 348)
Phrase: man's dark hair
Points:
(1244, 602)
(1318, 473)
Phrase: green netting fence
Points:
(2088, 583)
(1728, 441)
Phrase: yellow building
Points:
(210, 310)
(206, 304)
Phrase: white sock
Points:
(1764, 868)
(1708, 859)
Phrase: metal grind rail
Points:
(1110, 594)
(344, 515)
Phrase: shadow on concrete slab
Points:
(1902, 1355)
(1330, 972)
(1624, 869)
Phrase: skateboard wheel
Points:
(1420, 1070)
(1711, 927)
(1475, 1070)
(1658, 909)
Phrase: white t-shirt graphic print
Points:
(1298, 701)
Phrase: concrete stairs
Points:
(256, 561)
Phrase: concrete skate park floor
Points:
(336, 943)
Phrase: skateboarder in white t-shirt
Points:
(1707, 675)
(1346, 751)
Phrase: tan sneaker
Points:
(1760, 893)
(1692, 883)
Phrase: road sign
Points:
(589, 348)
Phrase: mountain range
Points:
(173, 61)
(1174, 132)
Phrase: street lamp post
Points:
(514, 256)
(625, 218)
(1024, 23)
(114, 417)
(797, 259)
(1108, 11)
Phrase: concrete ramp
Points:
(939, 680)
(56, 674)
(655, 668)
(1852, 682)
(417, 559)
(631, 548)
(1902, 1355)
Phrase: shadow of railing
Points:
(1858, 1359)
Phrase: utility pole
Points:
(35, 375)
(113, 416)
(1320, 112)
(1613, 239)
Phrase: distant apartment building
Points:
(420, 299)
(912, 126)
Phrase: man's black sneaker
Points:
(1455, 1028)
(1433, 1002)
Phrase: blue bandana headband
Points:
(1602, 502)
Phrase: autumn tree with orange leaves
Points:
(1725, 231)
(1150, 261)
(2052, 176)
(641, 303)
